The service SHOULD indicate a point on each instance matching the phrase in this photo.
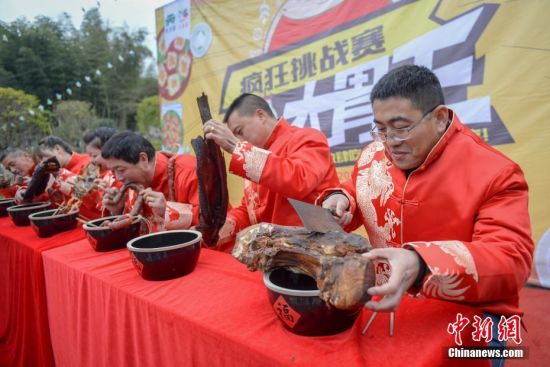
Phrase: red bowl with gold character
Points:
(296, 302)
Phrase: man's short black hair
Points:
(246, 105)
(126, 145)
(415, 83)
(49, 142)
(98, 137)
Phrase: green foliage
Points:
(148, 120)
(46, 56)
(72, 119)
(25, 131)
(148, 114)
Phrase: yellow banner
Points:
(317, 61)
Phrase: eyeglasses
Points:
(401, 134)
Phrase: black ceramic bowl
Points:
(106, 239)
(295, 300)
(4, 205)
(166, 255)
(20, 213)
(46, 224)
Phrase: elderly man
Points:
(51, 146)
(60, 187)
(444, 209)
(278, 161)
(21, 164)
(18, 162)
(167, 183)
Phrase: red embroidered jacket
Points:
(77, 163)
(464, 210)
(295, 163)
(183, 212)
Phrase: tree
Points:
(116, 93)
(148, 120)
(21, 122)
(39, 57)
(72, 119)
(94, 63)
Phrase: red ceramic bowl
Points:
(296, 302)
(20, 213)
(106, 239)
(4, 205)
(166, 255)
(46, 224)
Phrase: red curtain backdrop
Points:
(103, 314)
(24, 332)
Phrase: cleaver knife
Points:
(315, 218)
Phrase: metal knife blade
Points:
(315, 218)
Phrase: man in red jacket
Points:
(443, 208)
(21, 164)
(277, 160)
(51, 146)
(18, 162)
(168, 183)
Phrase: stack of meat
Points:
(333, 259)
(212, 178)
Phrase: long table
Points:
(24, 332)
(102, 313)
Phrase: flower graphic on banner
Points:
(172, 127)
(174, 66)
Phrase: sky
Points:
(135, 13)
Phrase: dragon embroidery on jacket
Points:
(374, 182)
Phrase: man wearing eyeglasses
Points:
(447, 211)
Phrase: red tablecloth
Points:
(24, 332)
(103, 314)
